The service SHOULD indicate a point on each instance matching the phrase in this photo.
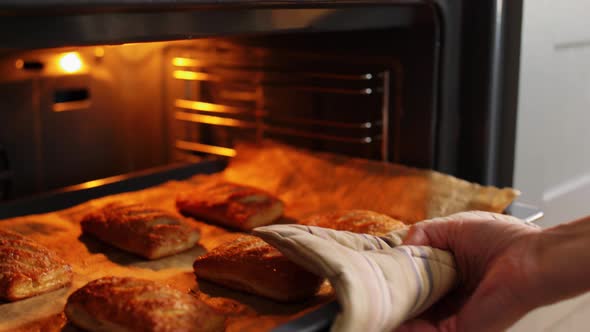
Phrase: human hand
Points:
(494, 257)
(377, 283)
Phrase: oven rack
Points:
(231, 122)
(251, 86)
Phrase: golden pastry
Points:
(230, 204)
(131, 304)
(356, 221)
(149, 232)
(28, 269)
(249, 264)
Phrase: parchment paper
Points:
(308, 183)
(320, 182)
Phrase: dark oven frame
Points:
(478, 45)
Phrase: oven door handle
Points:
(524, 211)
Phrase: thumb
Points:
(437, 234)
(417, 325)
(421, 325)
(444, 231)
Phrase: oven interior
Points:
(71, 115)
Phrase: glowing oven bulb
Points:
(70, 62)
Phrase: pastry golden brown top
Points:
(356, 221)
(116, 222)
(244, 247)
(142, 305)
(25, 266)
(252, 265)
(225, 200)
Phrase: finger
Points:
(444, 232)
(419, 325)
(417, 236)
(440, 232)
(446, 307)
(433, 234)
(474, 215)
(490, 310)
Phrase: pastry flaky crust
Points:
(148, 232)
(28, 269)
(249, 264)
(131, 304)
(231, 204)
(356, 221)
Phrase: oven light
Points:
(185, 62)
(92, 184)
(70, 62)
(190, 75)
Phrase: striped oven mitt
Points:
(378, 282)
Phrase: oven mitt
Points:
(378, 282)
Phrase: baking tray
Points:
(297, 176)
(74, 195)
(59, 230)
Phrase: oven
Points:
(103, 97)
(92, 90)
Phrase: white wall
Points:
(552, 166)
(553, 134)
